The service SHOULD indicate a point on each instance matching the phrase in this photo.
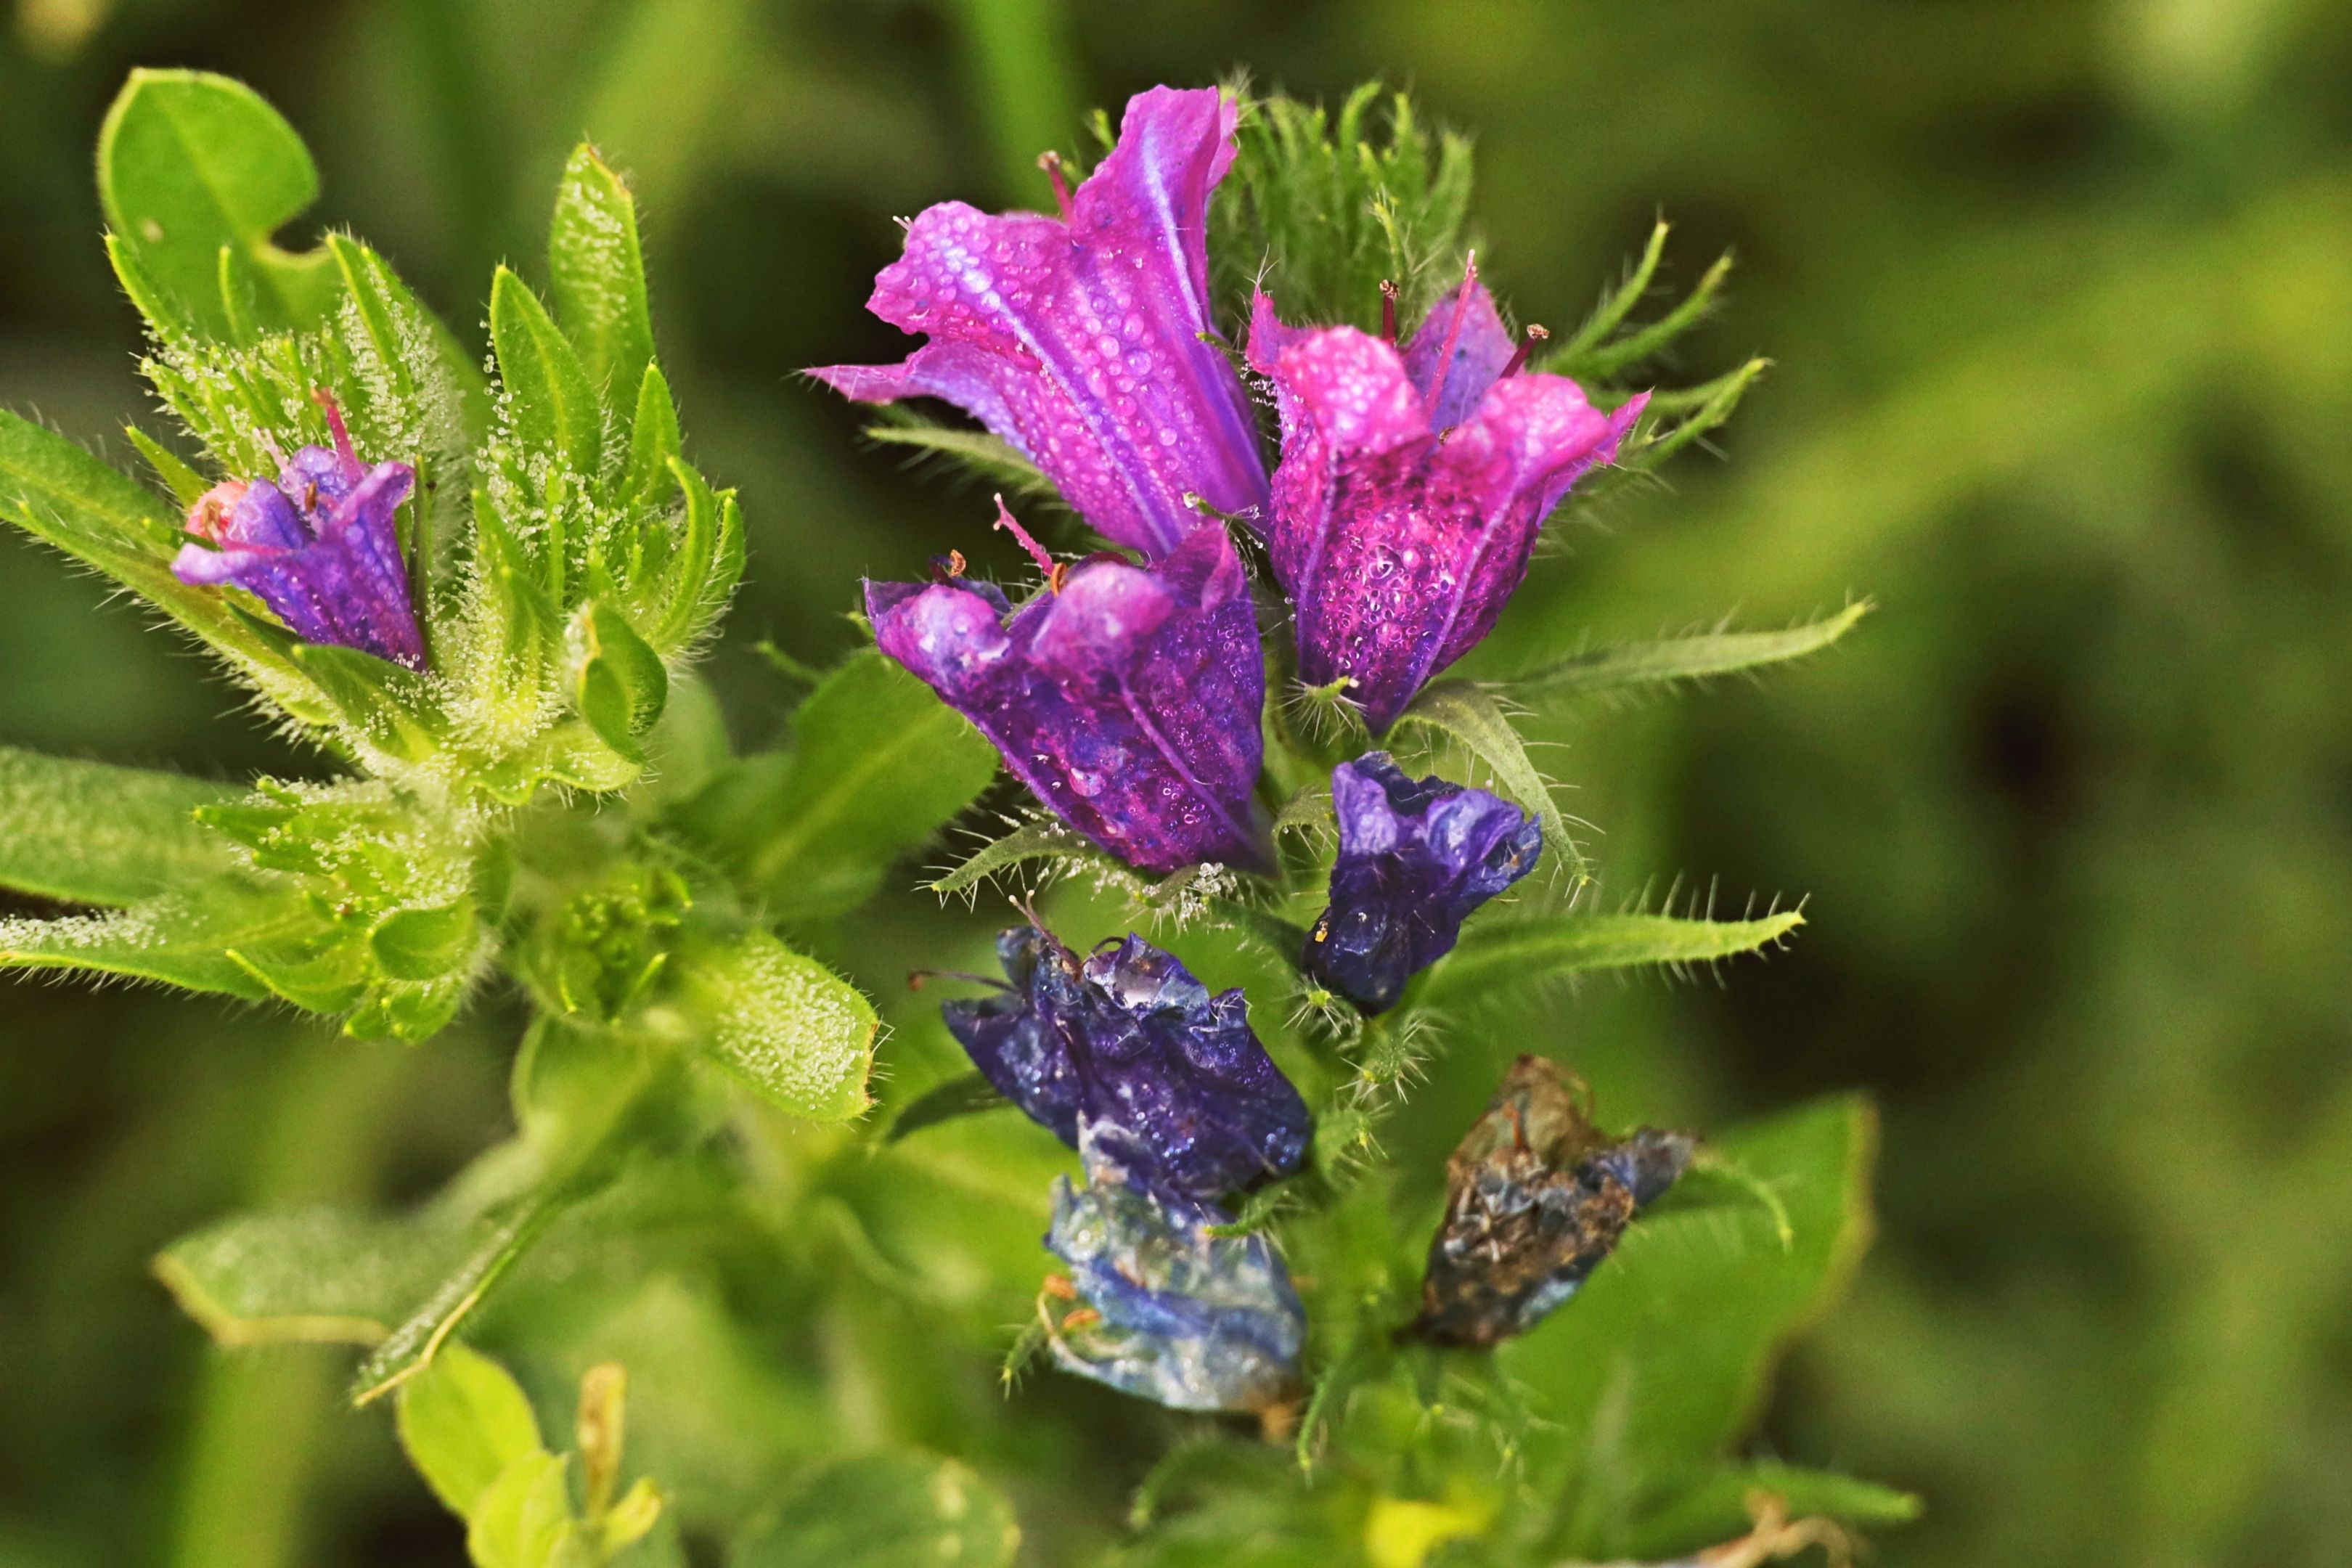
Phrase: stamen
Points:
(1084, 1318)
(946, 567)
(1454, 333)
(1051, 161)
(326, 400)
(1037, 553)
(1527, 346)
(1058, 1286)
(1388, 310)
(915, 978)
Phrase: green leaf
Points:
(548, 397)
(879, 765)
(1041, 840)
(187, 486)
(463, 1421)
(420, 944)
(1684, 658)
(189, 163)
(523, 1519)
(1495, 954)
(597, 277)
(306, 1275)
(187, 939)
(654, 440)
(782, 1025)
(966, 1095)
(1712, 1505)
(1469, 713)
(1662, 1359)
(885, 1510)
(393, 710)
(618, 683)
(413, 1343)
(90, 834)
(985, 457)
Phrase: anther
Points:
(946, 568)
(1058, 1286)
(1084, 1318)
(1388, 310)
(1527, 346)
(1037, 553)
(1051, 161)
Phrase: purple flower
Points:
(1415, 859)
(1128, 698)
(317, 546)
(1158, 1307)
(1082, 339)
(1535, 1197)
(1411, 487)
(1127, 1038)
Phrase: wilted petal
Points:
(1415, 859)
(1402, 529)
(1535, 1197)
(319, 546)
(1081, 341)
(1129, 700)
(1162, 1309)
(1127, 1038)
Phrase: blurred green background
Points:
(2060, 298)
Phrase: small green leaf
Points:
(187, 486)
(395, 710)
(463, 1421)
(780, 1024)
(187, 939)
(188, 163)
(879, 765)
(967, 1095)
(311, 1275)
(553, 407)
(1497, 953)
(618, 683)
(886, 1511)
(597, 277)
(1469, 713)
(427, 943)
(654, 440)
(1042, 839)
(90, 834)
(523, 1519)
(1684, 658)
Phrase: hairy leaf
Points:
(597, 277)
(1501, 952)
(187, 939)
(1684, 658)
(554, 411)
(1039, 840)
(90, 834)
(781, 1024)
(312, 1274)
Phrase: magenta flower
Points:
(1127, 1038)
(317, 546)
(1416, 856)
(1411, 485)
(1083, 340)
(1126, 697)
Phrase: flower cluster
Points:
(1128, 694)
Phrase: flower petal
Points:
(1081, 343)
(1466, 318)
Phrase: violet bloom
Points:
(1411, 487)
(317, 546)
(1083, 341)
(1126, 697)
(1127, 1038)
(1158, 1307)
(1415, 859)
